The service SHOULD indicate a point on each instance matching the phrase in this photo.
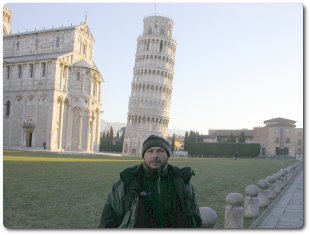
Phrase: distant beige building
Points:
(279, 136)
(224, 135)
(151, 88)
(51, 89)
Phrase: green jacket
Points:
(121, 207)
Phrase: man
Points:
(153, 194)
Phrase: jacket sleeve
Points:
(192, 206)
(112, 213)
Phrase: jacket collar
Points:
(132, 176)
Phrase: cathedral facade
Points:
(151, 88)
(51, 89)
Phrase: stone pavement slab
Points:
(288, 212)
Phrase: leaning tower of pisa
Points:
(151, 87)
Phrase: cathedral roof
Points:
(84, 64)
(74, 27)
(18, 59)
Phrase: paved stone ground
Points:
(288, 212)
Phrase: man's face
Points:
(155, 158)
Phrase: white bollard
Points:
(264, 193)
(272, 187)
(251, 202)
(208, 217)
(234, 211)
(282, 173)
(278, 182)
(286, 177)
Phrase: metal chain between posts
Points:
(251, 199)
(228, 213)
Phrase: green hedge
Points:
(223, 149)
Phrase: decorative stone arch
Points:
(76, 128)
(43, 100)
(30, 100)
(7, 106)
(67, 100)
(28, 128)
(85, 129)
(58, 135)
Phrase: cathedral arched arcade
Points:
(26, 119)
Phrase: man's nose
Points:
(155, 155)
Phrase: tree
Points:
(119, 140)
(231, 138)
(102, 140)
(111, 134)
(241, 139)
(192, 137)
(186, 141)
(173, 143)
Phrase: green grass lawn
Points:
(72, 194)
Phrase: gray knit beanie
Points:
(155, 141)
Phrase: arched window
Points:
(17, 45)
(37, 44)
(30, 70)
(161, 46)
(8, 71)
(57, 41)
(19, 71)
(43, 69)
(78, 76)
(7, 108)
(84, 48)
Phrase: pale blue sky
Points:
(236, 64)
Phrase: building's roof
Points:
(279, 122)
(72, 27)
(223, 132)
(38, 57)
(42, 31)
(159, 16)
(84, 64)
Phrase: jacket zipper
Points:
(158, 184)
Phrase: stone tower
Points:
(151, 88)
(7, 21)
